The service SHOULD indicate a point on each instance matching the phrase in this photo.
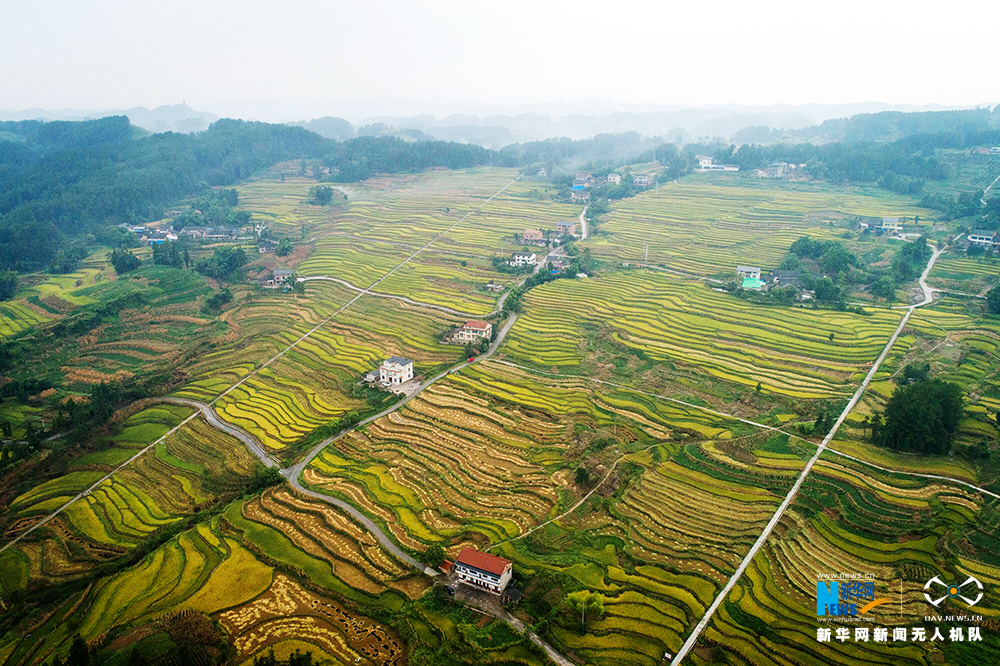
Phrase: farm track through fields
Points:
(292, 473)
(240, 434)
(724, 593)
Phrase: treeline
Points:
(894, 166)
(366, 156)
(63, 180)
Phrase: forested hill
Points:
(61, 181)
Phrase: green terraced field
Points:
(709, 225)
(696, 329)
(851, 518)
(187, 472)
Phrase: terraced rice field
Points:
(186, 472)
(393, 218)
(445, 464)
(283, 203)
(17, 316)
(700, 331)
(708, 225)
(961, 273)
(855, 519)
(659, 554)
(962, 346)
(45, 297)
(311, 384)
(209, 570)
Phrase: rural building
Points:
(749, 272)
(752, 283)
(640, 179)
(704, 161)
(579, 195)
(484, 570)
(157, 237)
(776, 170)
(891, 224)
(532, 235)
(543, 172)
(995, 150)
(221, 233)
(786, 278)
(983, 237)
(474, 329)
(564, 227)
(395, 370)
(614, 179)
(523, 259)
(494, 287)
(281, 275)
(196, 232)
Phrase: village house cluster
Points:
(754, 278)
(563, 229)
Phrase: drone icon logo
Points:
(953, 591)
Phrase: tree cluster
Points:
(921, 417)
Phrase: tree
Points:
(7, 428)
(284, 248)
(583, 602)
(884, 288)
(8, 285)
(992, 300)
(582, 477)
(79, 653)
(322, 195)
(434, 555)
(124, 261)
(922, 417)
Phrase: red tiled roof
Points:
(482, 561)
(446, 566)
(477, 324)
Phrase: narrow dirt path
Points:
(721, 596)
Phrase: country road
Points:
(721, 596)
(583, 223)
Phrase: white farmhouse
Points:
(614, 179)
(523, 259)
(984, 238)
(473, 330)
(395, 370)
(483, 570)
(749, 272)
(640, 179)
(891, 224)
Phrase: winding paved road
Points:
(583, 223)
(721, 597)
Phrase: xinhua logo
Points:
(955, 591)
(842, 597)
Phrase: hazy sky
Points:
(297, 59)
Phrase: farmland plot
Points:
(708, 226)
(854, 519)
(696, 331)
(193, 468)
(313, 383)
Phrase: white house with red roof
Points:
(474, 329)
(479, 569)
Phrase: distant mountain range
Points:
(587, 118)
(171, 118)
